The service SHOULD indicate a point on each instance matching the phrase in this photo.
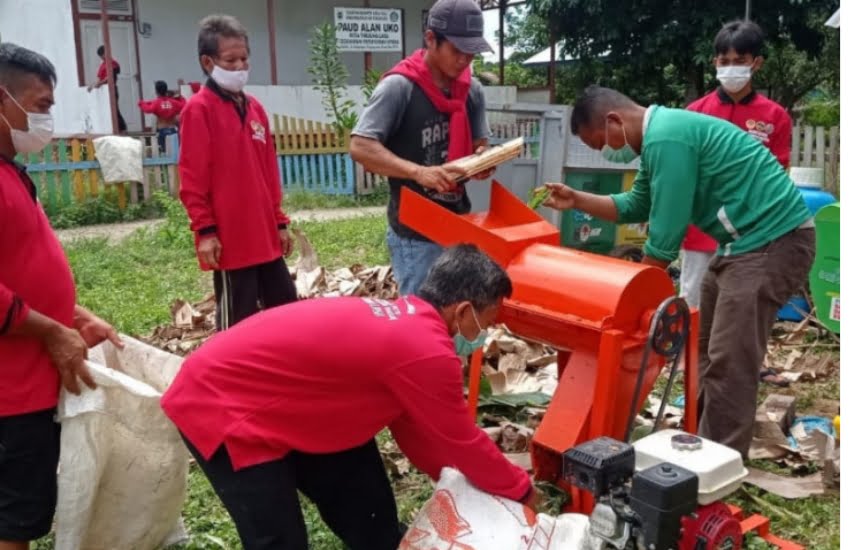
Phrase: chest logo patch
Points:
(258, 131)
(760, 130)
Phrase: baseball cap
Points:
(461, 22)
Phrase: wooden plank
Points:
(297, 172)
(287, 170)
(318, 180)
(359, 178)
(832, 161)
(345, 184)
(327, 137)
(795, 146)
(311, 137)
(94, 173)
(132, 185)
(121, 189)
(820, 147)
(63, 195)
(339, 169)
(305, 174)
(324, 176)
(807, 145)
(276, 135)
(173, 181)
(64, 176)
(77, 175)
(46, 192)
(301, 140)
(284, 138)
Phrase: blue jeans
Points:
(163, 133)
(411, 259)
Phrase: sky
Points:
(491, 33)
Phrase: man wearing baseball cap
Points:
(426, 111)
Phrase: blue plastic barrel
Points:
(797, 306)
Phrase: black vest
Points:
(422, 137)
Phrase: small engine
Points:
(663, 493)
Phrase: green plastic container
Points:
(823, 279)
(583, 231)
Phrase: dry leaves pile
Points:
(514, 365)
(796, 351)
(193, 323)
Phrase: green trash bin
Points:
(583, 231)
(824, 277)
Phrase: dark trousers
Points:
(29, 454)
(740, 298)
(122, 124)
(350, 489)
(240, 293)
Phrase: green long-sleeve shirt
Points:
(703, 170)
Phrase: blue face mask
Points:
(623, 155)
(465, 347)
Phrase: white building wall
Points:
(170, 52)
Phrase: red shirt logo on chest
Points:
(759, 129)
(259, 132)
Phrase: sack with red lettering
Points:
(460, 517)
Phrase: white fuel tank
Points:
(720, 469)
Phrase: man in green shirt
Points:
(706, 171)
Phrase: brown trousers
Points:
(740, 298)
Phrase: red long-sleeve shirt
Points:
(164, 108)
(34, 274)
(229, 178)
(765, 120)
(325, 375)
(101, 71)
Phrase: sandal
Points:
(770, 376)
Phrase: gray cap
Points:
(461, 22)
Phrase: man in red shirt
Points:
(229, 181)
(737, 49)
(166, 108)
(44, 336)
(102, 80)
(293, 397)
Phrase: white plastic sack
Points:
(123, 466)
(460, 517)
(120, 158)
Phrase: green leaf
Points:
(516, 400)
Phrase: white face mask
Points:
(733, 78)
(38, 135)
(232, 81)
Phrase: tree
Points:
(790, 74)
(654, 45)
(330, 77)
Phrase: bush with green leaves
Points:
(100, 210)
(370, 82)
(822, 112)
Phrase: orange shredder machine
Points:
(598, 313)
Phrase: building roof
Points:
(542, 57)
(833, 20)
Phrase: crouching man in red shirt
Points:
(229, 181)
(293, 397)
(44, 335)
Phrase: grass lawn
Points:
(132, 284)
